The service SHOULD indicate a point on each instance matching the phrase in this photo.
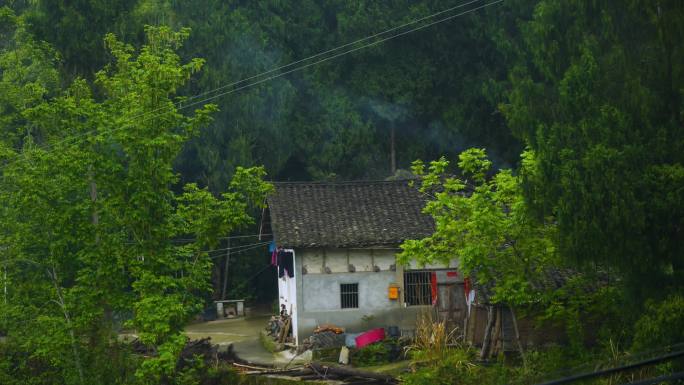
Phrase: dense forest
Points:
(138, 134)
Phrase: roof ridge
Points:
(346, 182)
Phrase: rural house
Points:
(338, 264)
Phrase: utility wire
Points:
(377, 42)
(231, 237)
(374, 43)
(238, 247)
(236, 252)
(179, 104)
(224, 249)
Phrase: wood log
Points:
(285, 331)
(496, 340)
(347, 372)
(251, 367)
(484, 353)
(295, 372)
(517, 335)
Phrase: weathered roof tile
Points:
(347, 214)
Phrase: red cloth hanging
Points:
(433, 287)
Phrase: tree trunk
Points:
(60, 302)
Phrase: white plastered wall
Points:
(287, 294)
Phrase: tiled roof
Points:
(347, 214)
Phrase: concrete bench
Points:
(222, 306)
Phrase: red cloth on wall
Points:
(433, 287)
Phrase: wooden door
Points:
(451, 305)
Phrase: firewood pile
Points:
(280, 329)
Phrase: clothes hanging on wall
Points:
(285, 260)
(433, 287)
(274, 258)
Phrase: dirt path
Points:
(243, 333)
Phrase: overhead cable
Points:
(180, 105)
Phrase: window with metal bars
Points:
(417, 288)
(349, 295)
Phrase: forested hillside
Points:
(128, 125)
(438, 88)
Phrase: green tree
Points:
(89, 219)
(598, 97)
(76, 30)
(331, 120)
(482, 219)
(27, 75)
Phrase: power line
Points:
(237, 252)
(181, 106)
(231, 237)
(178, 104)
(377, 42)
(239, 247)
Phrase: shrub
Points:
(661, 325)
(373, 354)
(455, 367)
(432, 339)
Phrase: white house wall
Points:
(338, 260)
(322, 291)
(287, 294)
(318, 290)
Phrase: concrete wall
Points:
(322, 291)
(319, 274)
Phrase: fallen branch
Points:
(346, 372)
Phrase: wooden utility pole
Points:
(393, 156)
(225, 271)
(93, 198)
(4, 280)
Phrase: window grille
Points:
(417, 288)
(349, 295)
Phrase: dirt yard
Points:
(243, 333)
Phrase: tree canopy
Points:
(557, 127)
(89, 218)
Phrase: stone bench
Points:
(224, 306)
